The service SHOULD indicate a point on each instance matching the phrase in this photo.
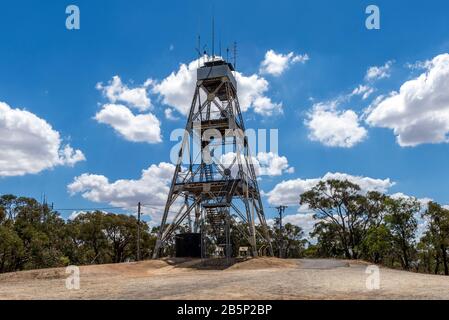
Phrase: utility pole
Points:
(281, 210)
(138, 231)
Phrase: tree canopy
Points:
(349, 223)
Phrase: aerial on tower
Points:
(215, 182)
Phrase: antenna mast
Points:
(198, 49)
(235, 55)
(213, 37)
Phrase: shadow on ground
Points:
(204, 264)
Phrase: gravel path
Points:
(254, 279)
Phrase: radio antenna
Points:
(235, 55)
(198, 50)
(213, 37)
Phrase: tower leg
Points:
(157, 249)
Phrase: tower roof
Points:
(217, 69)
(219, 62)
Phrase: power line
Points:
(106, 208)
(110, 208)
(138, 231)
(156, 208)
(281, 210)
(90, 209)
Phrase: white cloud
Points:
(271, 164)
(30, 145)
(419, 112)
(362, 90)
(76, 214)
(251, 92)
(288, 192)
(69, 156)
(265, 164)
(151, 188)
(116, 91)
(169, 114)
(334, 128)
(180, 84)
(300, 219)
(176, 89)
(376, 73)
(136, 128)
(423, 201)
(276, 63)
(264, 106)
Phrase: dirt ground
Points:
(262, 278)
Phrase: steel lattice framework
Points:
(209, 187)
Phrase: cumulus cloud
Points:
(423, 201)
(264, 106)
(152, 187)
(30, 145)
(252, 94)
(276, 63)
(379, 72)
(69, 156)
(288, 192)
(265, 164)
(116, 91)
(334, 128)
(419, 112)
(140, 127)
(180, 84)
(271, 164)
(135, 128)
(300, 219)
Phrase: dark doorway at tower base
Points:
(188, 245)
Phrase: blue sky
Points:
(53, 73)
